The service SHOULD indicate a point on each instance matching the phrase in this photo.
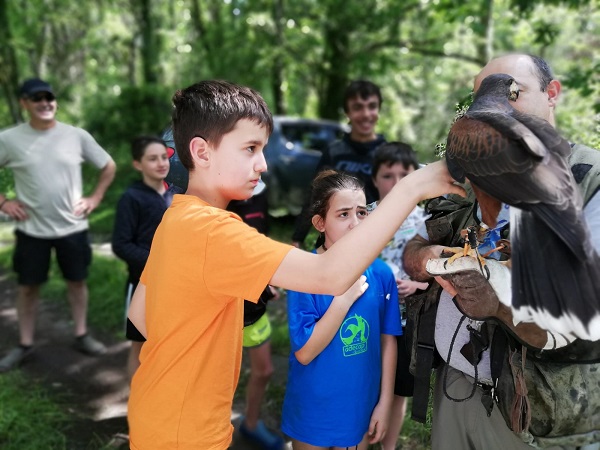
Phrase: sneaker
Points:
(262, 436)
(15, 357)
(88, 345)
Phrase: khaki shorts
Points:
(258, 333)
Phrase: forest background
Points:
(115, 64)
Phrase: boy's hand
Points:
(433, 180)
(356, 290)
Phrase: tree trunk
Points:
(149, 46)
(9, 71)
(485, 47)
(335, 73)
(278, 64)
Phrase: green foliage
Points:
(299, 54)
(6, 259)
(107, 280)
(29, 418)
(114, 119)
(461, 108)
(280, 338)
(415, 434)
(7, 183)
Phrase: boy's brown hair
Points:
(392, 153)
(140, 143)
(210, 109)
(362, 89)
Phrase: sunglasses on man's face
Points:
(36, 98)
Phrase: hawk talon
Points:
(497, 249)
(471, 241)
(488, 274)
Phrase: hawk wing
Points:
(520, 160)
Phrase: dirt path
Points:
(93, 390)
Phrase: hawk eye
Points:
(514, 92)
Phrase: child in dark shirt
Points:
(257, 332)
(139, 211)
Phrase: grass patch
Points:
(29, 419)
(415, 435)
(6, 259)
(107, 294)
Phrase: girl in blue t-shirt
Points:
(341, 377)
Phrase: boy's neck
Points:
(157, 185)
(202, 189)
(357, 137)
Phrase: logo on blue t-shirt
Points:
(354, 333)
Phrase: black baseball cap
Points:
(33, 86)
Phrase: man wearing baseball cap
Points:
(50, 211)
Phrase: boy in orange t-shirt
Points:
(186, 304)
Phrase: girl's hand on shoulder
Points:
(356, 290)
(275, 292)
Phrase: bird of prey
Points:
(519, 159)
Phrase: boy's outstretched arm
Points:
(137, 309)
(381, 414)
(328, 325)
(334, 271)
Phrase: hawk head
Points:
(498, 85)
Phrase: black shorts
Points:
(405, 382)
(131, 332)
(31, 259)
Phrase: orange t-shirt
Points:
(203, 262)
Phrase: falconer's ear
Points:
(319, 223)
(553, 90)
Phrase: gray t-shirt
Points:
(47, 172)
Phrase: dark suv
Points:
(292, 155)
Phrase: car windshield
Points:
(312, 136)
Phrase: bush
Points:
(116, 119)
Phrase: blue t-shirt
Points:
(329, 402)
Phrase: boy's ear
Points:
(318, 223)
(137, 165)
(199, 152)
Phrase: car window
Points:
(310, 136)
